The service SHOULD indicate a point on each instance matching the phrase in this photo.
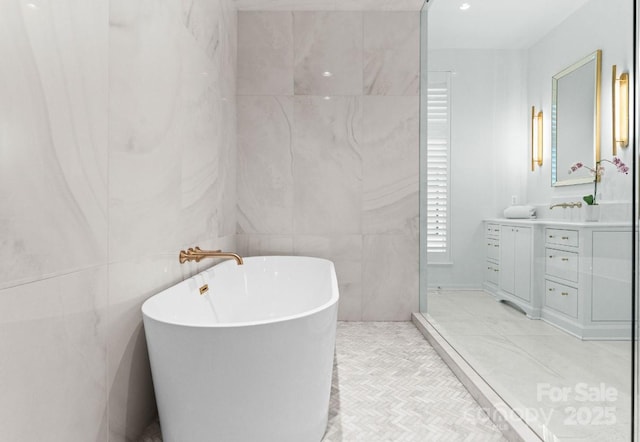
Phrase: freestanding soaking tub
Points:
(249, 359)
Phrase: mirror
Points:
(575, 119)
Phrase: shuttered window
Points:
(438, 186)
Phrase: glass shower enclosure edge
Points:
(423, 156)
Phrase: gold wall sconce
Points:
(536, 138)
(620, 109)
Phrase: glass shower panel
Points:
(541, 308)
(423, 163)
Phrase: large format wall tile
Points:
(390, 164)
(145, 133)
(391, 53)
(378, 5)
(151, 133)
(53, 369)
(156, 206)
(354, 158)
(265, 165)
(265, 245)
(172, 171)
(117, 148)
(202, 18)
(327, 43)
(131, 396)
(389, 277)
(327, 171)
(53, 138)
(283, 5)
(265, 53)
(345, 251)
(226, 66)
(329, 5)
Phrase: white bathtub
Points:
(251, 359)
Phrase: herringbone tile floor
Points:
(389, 385)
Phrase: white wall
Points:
(117, 149)
(488, 152)
(600, 24)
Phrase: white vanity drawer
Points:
(493, 249)
(492, 273)
(492, 229)
(562, 237)
(561, 298)
(562, 264)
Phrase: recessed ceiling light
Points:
(32, 5)
(327, 74)
(464, 6)
(327, 97)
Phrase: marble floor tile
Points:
(553, 380)
(389, 384)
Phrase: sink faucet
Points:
(565, 205)
(196, 254)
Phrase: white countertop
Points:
(558, 223)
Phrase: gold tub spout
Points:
(197, 254)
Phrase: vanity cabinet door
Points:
(523, 263)
(493, 270)
(493, 249)
(611, 291)
(507, 259)
(515, 261)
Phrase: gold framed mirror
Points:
(575, 118)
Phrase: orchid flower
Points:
(598, 171)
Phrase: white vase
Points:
(592, 212)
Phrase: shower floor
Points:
(564, 388)
(389, 384)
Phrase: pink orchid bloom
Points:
(598, 171)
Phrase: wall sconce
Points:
(536, 142)
(620, 109)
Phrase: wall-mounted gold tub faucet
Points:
(197, 254)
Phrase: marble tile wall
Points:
(328, 165)
(329, 5)
(117, 149)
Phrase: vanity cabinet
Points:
(611, 281)
(509, 265)
(561, 280)
(492, 240)
(575, 276)
(515, 256)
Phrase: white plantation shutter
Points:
(438, 187)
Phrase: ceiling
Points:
(496, 24)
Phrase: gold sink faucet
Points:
(197, 254)
(565, 205)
